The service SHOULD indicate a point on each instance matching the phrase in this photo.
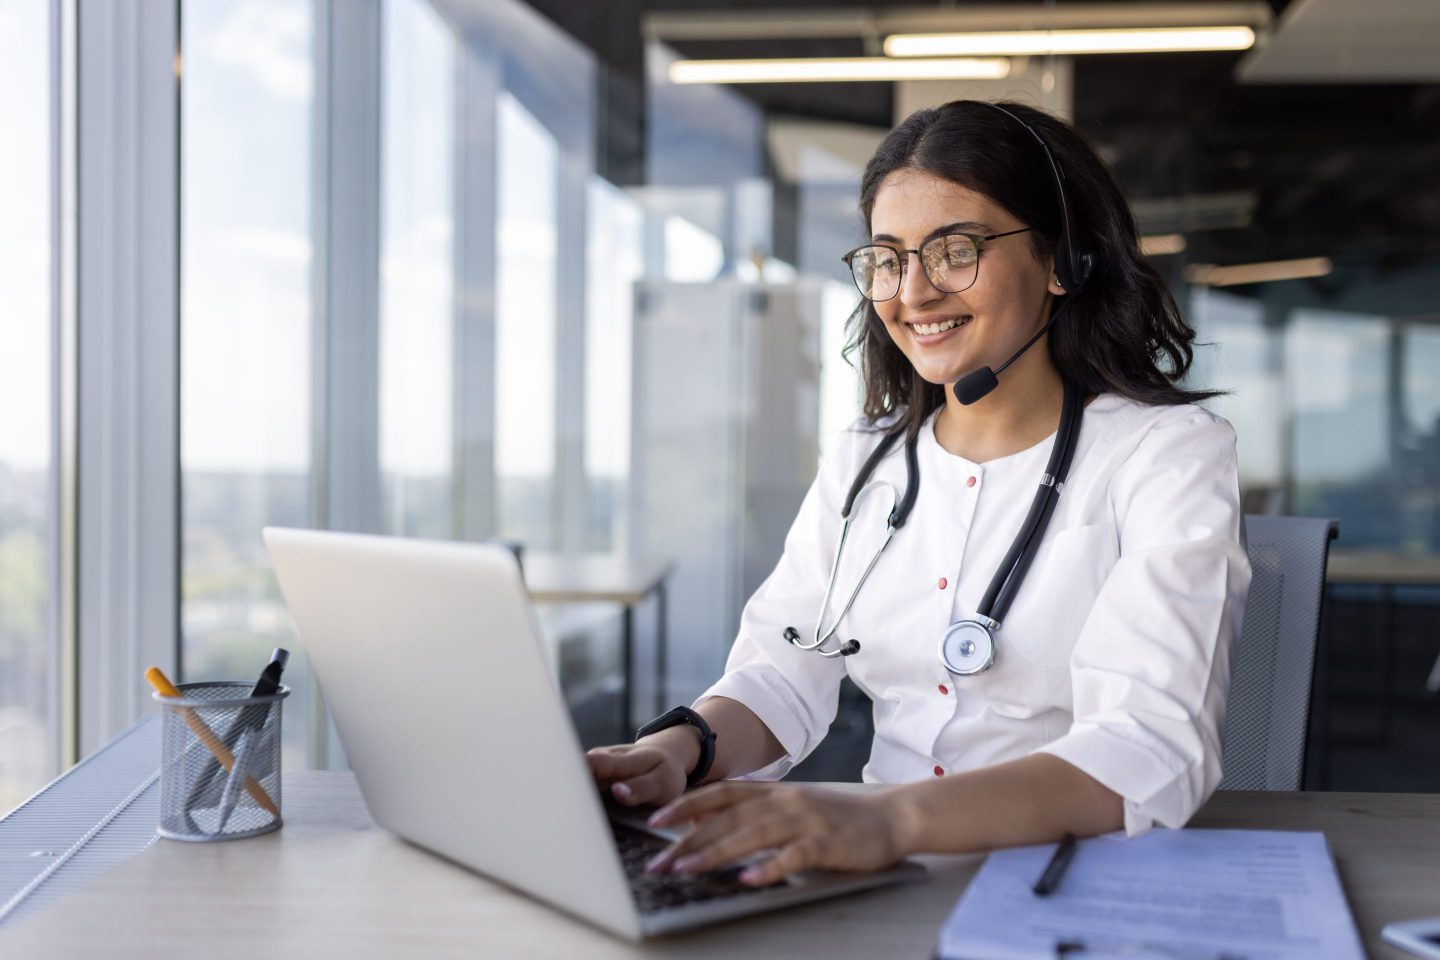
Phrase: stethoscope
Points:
(968, 646)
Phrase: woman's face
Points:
(991, 319)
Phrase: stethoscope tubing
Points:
(1008, 576)
(890, 528)
(996, 601)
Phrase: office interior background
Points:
(483, 269)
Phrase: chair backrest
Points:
(1272, 666)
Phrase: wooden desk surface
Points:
(332, 884)
(557, 578)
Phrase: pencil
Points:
(160, 682)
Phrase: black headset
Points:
(1073, 262)
(1073, 266)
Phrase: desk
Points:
(604, 578)
(332, 884)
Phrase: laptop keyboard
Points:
(663, 891)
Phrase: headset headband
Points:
(1072, 266)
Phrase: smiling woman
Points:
(1125, 333)
(1040, 663)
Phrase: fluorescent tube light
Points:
(838, 70)
(1017, 43)
(1162, 244)
(1216, 276)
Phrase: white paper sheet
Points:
(1168, 894)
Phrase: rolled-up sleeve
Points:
(794, 692)
(1150, 671)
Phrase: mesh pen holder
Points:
(219, 761)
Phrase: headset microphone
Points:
(978, 383)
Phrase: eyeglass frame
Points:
(977, 239)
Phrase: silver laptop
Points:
(452, 719)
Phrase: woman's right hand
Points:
(651, 771)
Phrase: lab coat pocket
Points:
(1059, 590)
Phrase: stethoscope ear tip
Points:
(849, 648)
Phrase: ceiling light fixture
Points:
(1212, 275)
(1162, 244)
(1018, 43)
(839, 69)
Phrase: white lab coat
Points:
(1114, 656)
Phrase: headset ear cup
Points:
(1072, 266)
(1065, 263)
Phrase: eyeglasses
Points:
(951, 262)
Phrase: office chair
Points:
(1272, 667)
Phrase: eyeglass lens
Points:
(951, 262)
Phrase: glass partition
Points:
(1238, 352)
(1419, 436)
(1342, 387)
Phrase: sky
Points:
(246, 252)
(25, 235)
(417, 241)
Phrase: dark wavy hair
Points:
(1122, 334)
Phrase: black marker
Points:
(1055, 869)
(269, 682)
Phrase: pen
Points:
(1055, 869)
(237, 776)
(160, 682)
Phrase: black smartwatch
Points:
(674, 718)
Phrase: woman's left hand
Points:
(811, 827)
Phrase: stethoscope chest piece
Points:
(968, 647)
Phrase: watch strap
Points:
(684, 715)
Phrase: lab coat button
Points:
(944, 689)
(943, 583)
(970, 482)
(939, 770)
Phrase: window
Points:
(29, 676)
(417, 271)
(245, 329)
(525, 355)
(616, 262)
